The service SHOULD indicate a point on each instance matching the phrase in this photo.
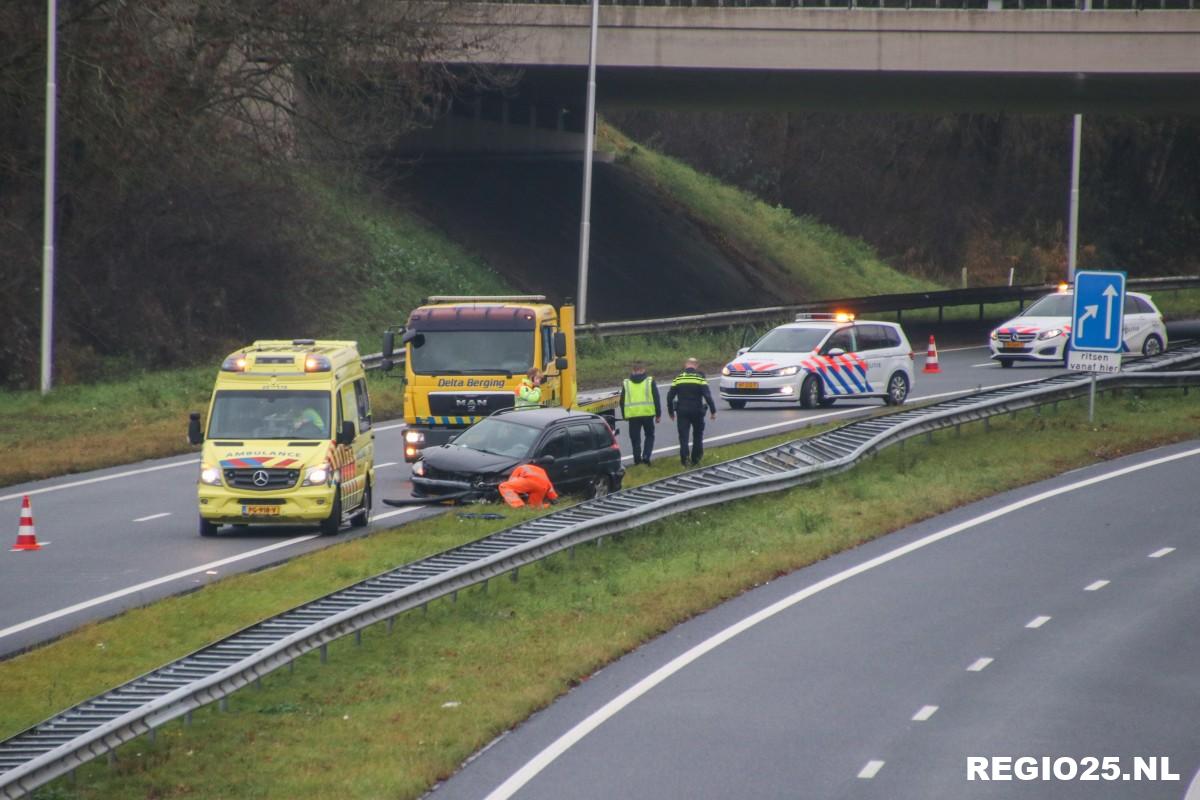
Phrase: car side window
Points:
(601, 435)
(870, 337)
(556, 445)
(363, 401)
(1131, 305)
(348, 407)
(547, 344)
(581, 439)
(890, 336)
(1140, 306)
(843, 339)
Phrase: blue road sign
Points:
(1098, 315)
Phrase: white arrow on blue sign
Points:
(1098, 315)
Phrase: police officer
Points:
(639, 402)
(687, 397)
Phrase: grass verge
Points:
(404, 710)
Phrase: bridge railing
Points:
(901, 5)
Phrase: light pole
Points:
(1073, 223)
(589, 136)
(48, 206)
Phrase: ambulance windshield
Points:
(239, 414)
(443, 352)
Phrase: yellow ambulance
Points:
(288, 439)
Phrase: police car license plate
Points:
(746, 385)
(1013, 345)
(260, 511)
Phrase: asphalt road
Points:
(123, 537)
(1057, 620)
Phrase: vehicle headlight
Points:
(414, 437)
(725, 370)
(210, 475)
(316, 475)
(1051, 334)
(788, 371)
(993, 335)
(418, 469)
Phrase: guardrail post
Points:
(187, 718)
(324, 653)
(358, 637)
(454, 597)
(152, 735)
(516, 574)
(112, 758)
(223, 704)
(485, 585)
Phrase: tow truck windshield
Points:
(270, 415)
(466, 352)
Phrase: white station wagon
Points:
(821, 358)
(1042, 331)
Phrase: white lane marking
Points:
(563, 743)
(1162, 552)
(389, 427)
(979, 664)
(1037, 622)
(1091, 587)
(95, 601)
(386, 464)
(925, 713)
(961, 349)
(85, 482)
(870, 770)
(386, 514)
(985, 364)
(153, 516)
(1193, 790)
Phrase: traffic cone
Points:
(931, 362)
(26, 538)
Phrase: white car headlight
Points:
(788, 371)
(210, 475)
(994, 335)
(414, 437)
(418, 469)
(1051, 334)
(725, 370)
(316, 475)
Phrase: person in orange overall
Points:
(531, 480)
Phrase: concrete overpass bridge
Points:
(848, 58)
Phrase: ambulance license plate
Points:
(1013, 345)
(746, 385)
(260, 511)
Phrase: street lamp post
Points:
(589, 135)
(48, 209)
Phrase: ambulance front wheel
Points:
(208, 528)
(333, 523)
(362, 517)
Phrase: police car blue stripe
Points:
(837, 373)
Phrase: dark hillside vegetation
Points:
(989, 192)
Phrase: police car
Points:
(821, 358)
(1042, 331)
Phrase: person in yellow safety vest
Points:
(642, 409)
(688, 396)
(529, 392)
(531, 480)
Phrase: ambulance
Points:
(288, 439)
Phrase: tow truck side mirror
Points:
(560, 363)
(389, 343)
(195, 435)
(417, 338)
(560, 344)
(346, 434)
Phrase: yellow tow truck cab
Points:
(288, 439)
(464, 358)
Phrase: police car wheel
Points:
(208, 528)
(810, 392)
(1006, 362)
(897, 390)
(362, 518)
(736, 403)
(333, 523)
(1152, 346)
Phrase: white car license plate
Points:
(746, 385)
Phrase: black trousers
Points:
(638, 425)
(691, 425)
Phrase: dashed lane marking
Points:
(979, 664)
(1095, 586)
(1037, 622)
(925, 713)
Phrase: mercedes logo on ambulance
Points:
(260, 477)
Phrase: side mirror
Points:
(195, 435)
(417, 338)
(560, 363)
(544, 461)
(389, 344)
(743, 350)
(560, 344)
(346, 434)
(835, 351)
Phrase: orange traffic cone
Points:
(26, 538)
(931, 362)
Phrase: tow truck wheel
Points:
(333, 523)
(207, 528)
(362, 518)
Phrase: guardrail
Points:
(981, 296)
(900, 5)
(101, 724)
